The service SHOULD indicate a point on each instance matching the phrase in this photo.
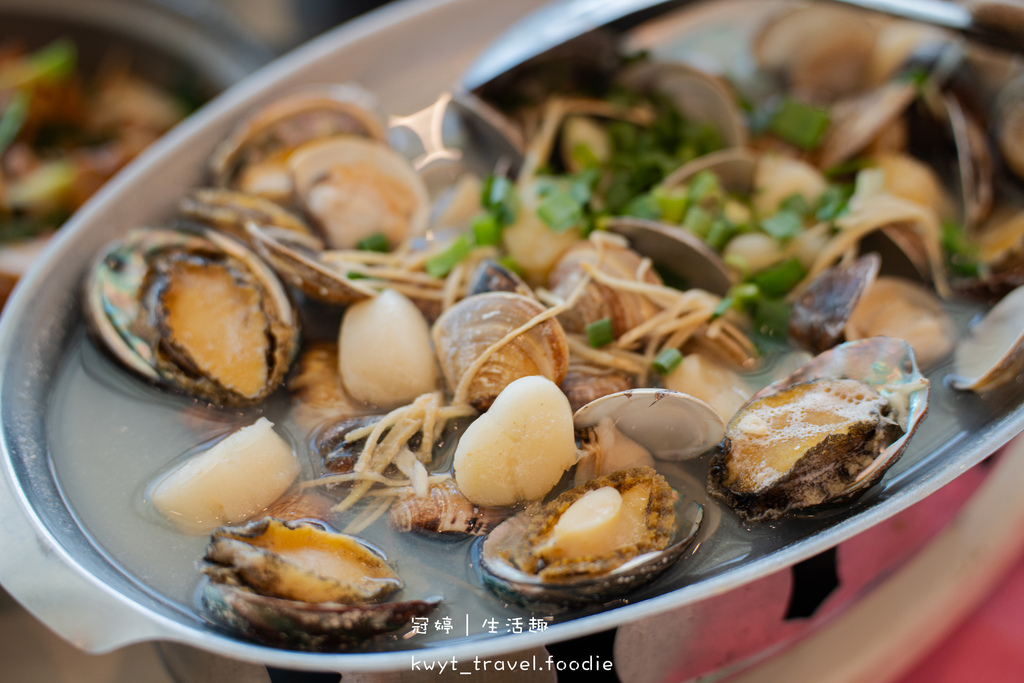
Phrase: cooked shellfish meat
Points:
(196, 311)
(384, 352)
(299, 561)
(594, 528)
(519, 449)
(229, 483)
(609, 450)
(992, 353)
(298, 585)
(801, 446)
(444, 510)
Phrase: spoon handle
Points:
(999, 23)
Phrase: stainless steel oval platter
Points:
(81, 440)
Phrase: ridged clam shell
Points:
(443, 511)
(466, 330)
(625, 309)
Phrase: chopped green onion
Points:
(800, 124)
(486, 230)
(600, 333)
(777, 280)
(705, 188)
(442, 264)
(559, 211)
(13, 118)
(720, 233)
(698, 220)
(667, 361)
(744, 294)
(672, 202)
(512, 265)
(795, 203)
(54, 62)
(961, 253)
(498, 196)
(644, 206)
(738, 262)
(783, 226)
(723, 306)
(833, 202)
(356, 275)
(378, 241)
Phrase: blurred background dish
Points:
(86, 86)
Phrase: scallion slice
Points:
(442, 264)
(667, 361)
(600, 333)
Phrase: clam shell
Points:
(229, 211)
(894, 307)
(584, 383)
(818, 317)
(626, 310)
(822, 50)
(678, 251)
(466, 330)
(992, 353)
(670, 424)
(524, 588)
(352, 188)
(698, 95)
(294, 258)
(735, 167)
(296, 118)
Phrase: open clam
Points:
(670, 424)
(253, 159)
(595, 542)
(195, 311)
(818, 317)
(354, 188)
(677, 251)
(699, 96)
(992, 353)
(296, 258)
(297, 585)
(229, 212)
(822, 435)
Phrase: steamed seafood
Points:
(630, 268)
(591, 543)
(229, 483)
(195, 311)
(295, 584)
(503, 458)
(822, 435)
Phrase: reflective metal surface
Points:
(53, 566)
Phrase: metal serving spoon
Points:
(999, 23)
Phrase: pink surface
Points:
(988, 646)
